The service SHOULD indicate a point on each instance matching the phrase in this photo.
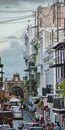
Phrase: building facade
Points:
(50, 59)
(14, 86)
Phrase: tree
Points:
(36, 48)
(27, 87)
(62, 88)
(4, 99)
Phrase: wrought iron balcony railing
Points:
(59, 103)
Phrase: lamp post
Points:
(30, 77)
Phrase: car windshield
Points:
(32, 124)
(7, 128)
(16, 109)
(3, 127)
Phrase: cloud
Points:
(11, 55)
(13, 60)
(17, 2)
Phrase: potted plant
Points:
(62, 90)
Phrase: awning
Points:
(13, 99)
(37, 101)
(11, 96)
(55, 65)
(60, 45)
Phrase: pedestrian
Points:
(21, 126)
(48, 127)
(52, 126)
(57, 126)
(37, 116)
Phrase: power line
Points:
(20, 21)
(6, 39)
(16, 11)
(15, 19)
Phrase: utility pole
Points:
(38, 20)
(30, 78)
(35, 25)
(1, 75)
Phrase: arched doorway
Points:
(17, 91)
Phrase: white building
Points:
(51, 33)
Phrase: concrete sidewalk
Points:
(31, 115)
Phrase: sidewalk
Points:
(31, 115)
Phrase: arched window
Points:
(17, 91)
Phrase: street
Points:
(26, 118)
(32, 63)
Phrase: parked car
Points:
(6, 106)
(31, 124)
(17, 112)
(6, 127)
(10, 129)
(28, 124)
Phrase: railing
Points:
(50, 99)
(59, 103)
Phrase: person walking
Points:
(47, 127)
(57, 126)
(52, 126)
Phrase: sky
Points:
(14, 17)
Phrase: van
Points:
(17, 112)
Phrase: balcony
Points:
(59, 105)
(50, 98)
